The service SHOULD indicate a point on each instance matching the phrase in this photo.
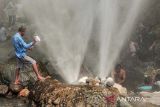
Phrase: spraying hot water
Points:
(66, 27)
(115, 29)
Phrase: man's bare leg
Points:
(35, 68)
(17, 76)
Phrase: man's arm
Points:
(152, 46)
(24, 44)
(113, 75)
(123, 77)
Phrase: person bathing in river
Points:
(21, 47)
(119, 74)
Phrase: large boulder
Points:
(4, 89)
(51, 93)
(7, 73)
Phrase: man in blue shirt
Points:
(21, 47)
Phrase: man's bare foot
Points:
(43, 78)
(17, 82)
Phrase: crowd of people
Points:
(143, 50)
(143, 44)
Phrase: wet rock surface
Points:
(53, 93)
(14, 102)
(3, 89)
(7, 73)
(151, 97)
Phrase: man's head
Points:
(118, 68)
(147, 80)
(22, 30)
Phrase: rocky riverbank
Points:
(13, 102)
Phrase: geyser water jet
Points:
(113, 33)
(108, 21)
(66, 27)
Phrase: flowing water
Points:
(66, 26)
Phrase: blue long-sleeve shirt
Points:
(20, 45)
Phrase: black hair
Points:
(118, 67)
(147, 80)
(21, 29)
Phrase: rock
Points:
(93, 82)
(24, 92)
(109, 82)
(4, 89)
(7, 74)
(3, 35)
(82, 80)
(124, 103)
(15, 88)
(53, 93)
(122, 90)
(151, 97)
